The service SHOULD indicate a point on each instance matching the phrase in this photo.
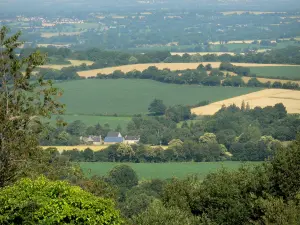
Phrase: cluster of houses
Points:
(111, 138)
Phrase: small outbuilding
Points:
(131, 139)
(91, 140)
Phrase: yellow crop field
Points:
(171, 66)
(265, 80)
(78, 147)
(268, 97)
(73, 63)
(83, 147)
(202, 53)
(49, 35)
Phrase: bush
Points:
(47, 202)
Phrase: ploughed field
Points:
(128, 97)
(268, 97)
(147, 171)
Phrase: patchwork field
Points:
(171, 66)
(72, 61)
(282, 72)
(269, 97)
(147, 171)
(129, 97)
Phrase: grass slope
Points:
(284, 72)
(128, 97)
(162, 170)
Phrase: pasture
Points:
(268, 97)
(281, 72)
(171, 66)
(128, 97)
(146, 171)
(91, 120)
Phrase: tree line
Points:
(233, 133)
(203, 75)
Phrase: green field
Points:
(92, 120)
(283, 72)
(147, 171)
(128, 97)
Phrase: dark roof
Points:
(132, 138)
(114, 139)
(91, 139)
(113, 134)
(96, 138)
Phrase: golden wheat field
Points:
(171, 66)
(268, 97)
(265, 80)
(72, 61)
(202, 53)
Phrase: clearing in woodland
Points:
(129, 97)
(171, 66)
(268, 97)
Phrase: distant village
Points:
(111, 138)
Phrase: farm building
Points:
(113, 138)
(131, 139)
(91, 140)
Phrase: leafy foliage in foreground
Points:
(24, 100)
(46, 202)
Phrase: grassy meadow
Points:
(128, 97)
(147, 171)
(284, 72)
(92, 120)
